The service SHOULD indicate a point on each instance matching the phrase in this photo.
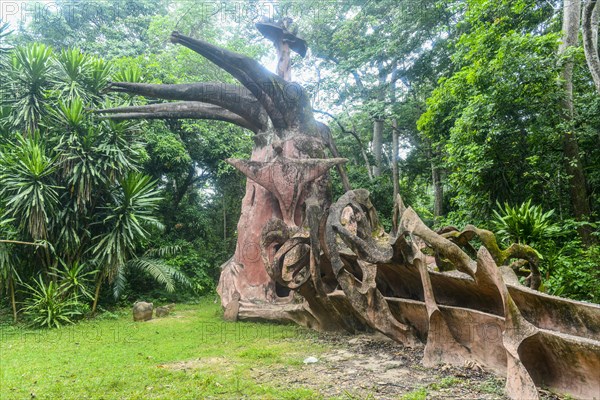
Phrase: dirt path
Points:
(375, 367)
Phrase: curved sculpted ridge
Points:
(333, 267)
(477, 312)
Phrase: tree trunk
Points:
(12, 298)
(436, 178)
(377, 145)
(395, 157)
(224, 220)
(378, 124)
(284, 67)
(96, 295)
(438, 191)
(589, 27)
(574, 167)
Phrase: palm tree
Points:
(28, 186)
(125, 225)
(8, 271)
(31, 76)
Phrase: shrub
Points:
(48, 305)
(525, 224)
(572, 271)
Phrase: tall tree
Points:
(574, 166)
(589, 26)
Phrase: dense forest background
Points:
(488, 108)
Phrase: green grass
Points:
(422, 392)
(417, 394)
(191, 354)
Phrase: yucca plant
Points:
(73, 71)
(98, 78)
(31, 77)
(47, 304)
(4, 33)
(75, 279)
(524, 224)
(80, 154)
(71, 181)
(27, 185)
(8, 263)
(121, 148)
(124, 226)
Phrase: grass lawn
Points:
(191, 354)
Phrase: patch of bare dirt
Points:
(375, 367)
(371, 367)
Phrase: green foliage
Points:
(47, 304)
(4, 34)
(75, 279)
(27, 184)
(496, 116)
(197, 265)
(31, 76)
(417, 394)
(80, 75)
(125, 223)
(572, 271)
(73, 182)
(525, 224)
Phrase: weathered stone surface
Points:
(142, 311)
(232, 309)
(162, 311)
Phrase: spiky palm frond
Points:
(74, 279)
(80, 155)
(100, 72)
(525, 224)
(119, 282)
(31, 77)
(131, 73)
(125, 221)
(47, 304)
(4, 33)
(160, 272)
(121, 147)
(73, 70)
(27, 185)
(163, 251)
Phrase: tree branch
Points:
(22, 243)
(354, 134)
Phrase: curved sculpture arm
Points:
(516, 250)
(411, 223)
(286, 103)
(179, 110)
(234, 98)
